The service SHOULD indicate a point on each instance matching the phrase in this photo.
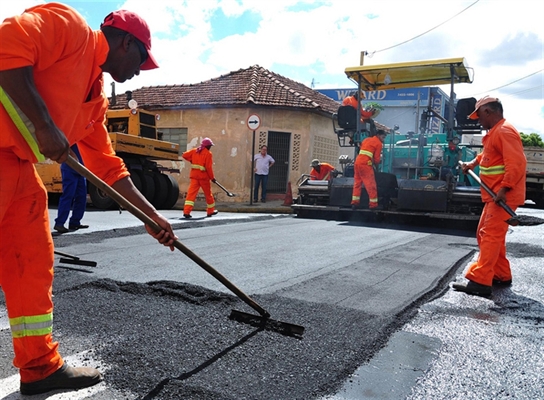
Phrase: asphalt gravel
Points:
(173, 340)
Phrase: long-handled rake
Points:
(264, 321)
(225, 190)
(523, 220)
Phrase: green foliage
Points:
(373, 105)
(532, 140)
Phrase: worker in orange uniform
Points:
(369, 155)
(321, 171)
(353, 100)
(51, 93)
(502, 168)
(201, 174)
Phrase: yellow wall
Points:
(312, 136)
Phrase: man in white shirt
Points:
(263, 162)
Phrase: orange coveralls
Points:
(502, 164)
(201, 175)
(324, 173)
(352, 101)
(370, 152)
(65, 55)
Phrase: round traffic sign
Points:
(254, 122)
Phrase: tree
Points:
(532, 140)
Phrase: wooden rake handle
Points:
(491, 192)
(127, 205)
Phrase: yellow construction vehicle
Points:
(135, 138)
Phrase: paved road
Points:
(157, 324)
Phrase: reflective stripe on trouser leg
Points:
(492, 261)
(26, 267)
(357, 185)
(207, 189)
(194, 186)
(367, 175)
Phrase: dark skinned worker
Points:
(321, 171)
(51, 78)
(502, 168)
(369, 155)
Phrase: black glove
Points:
(213, 180)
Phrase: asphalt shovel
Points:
(225, 190)
(262, 321)
(523, 220)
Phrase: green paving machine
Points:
(418, 174)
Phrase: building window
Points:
(175, 135)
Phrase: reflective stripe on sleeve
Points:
(366, 153)
(494, 170)
(23, 124)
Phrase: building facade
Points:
(296, 125)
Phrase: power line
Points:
(424, 33)
(508, 84)
(526, 90)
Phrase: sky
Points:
(313, 42)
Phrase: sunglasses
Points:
(143, 52)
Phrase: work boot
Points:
(64, 378)
(76, 227)
(61, 229)
(499, 283)
(473, 288)
(215, 212)
(187, 216)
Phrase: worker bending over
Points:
(321, 171)
(52, 95)
(369, 155)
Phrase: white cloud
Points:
(502, 41)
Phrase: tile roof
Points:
(251, 86)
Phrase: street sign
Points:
(254, 122)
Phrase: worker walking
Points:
(201, 174)
(321, 171)
(73, 198)
(502, 168)
(369, 155)
(51, 90)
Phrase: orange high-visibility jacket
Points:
(352, 101)
(201, 163)
(370, 152)
(66, 71)
(503, 163)
(324, 173)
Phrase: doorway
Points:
(279, 144)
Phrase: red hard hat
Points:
(207, 142)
